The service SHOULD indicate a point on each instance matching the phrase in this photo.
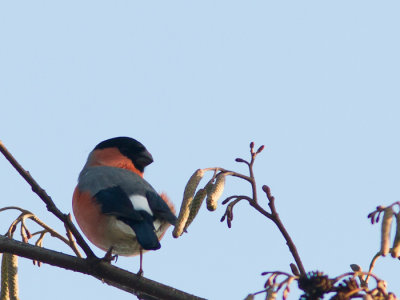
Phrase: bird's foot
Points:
(109, 257)
(140, 272)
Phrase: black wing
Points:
(160, 209)
(114, 201)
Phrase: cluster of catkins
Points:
(192, 202)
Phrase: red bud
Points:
(260, 149)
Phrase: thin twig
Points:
(26, 214)
(51, 207)
(276, 219)
(276, 273)
(353, 274)
(71, 239)
(253, 181)
(236, 197)
(273, 216)
(232, 173)
(372, 265)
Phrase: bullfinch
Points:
(115, 207)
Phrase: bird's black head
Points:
(130, 148)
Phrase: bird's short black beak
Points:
(144, 159)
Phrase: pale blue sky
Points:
(317, 82)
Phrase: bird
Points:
(115, 207)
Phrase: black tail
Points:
(144, 231)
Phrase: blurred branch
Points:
(142, 287)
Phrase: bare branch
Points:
(236, 197)
(229, 211)
(71, 239)
(275, 218)
(51, 207)
(372, 264)
(253, 181)
(140, 286)
(232, 173)
(253, 201)
(26, 214)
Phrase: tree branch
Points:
(231, 173)
(51, 207)
(140, 286)
(273, 215)
(275, 218)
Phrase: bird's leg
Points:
(109, 257)
(140, 273)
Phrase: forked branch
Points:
(192, 200)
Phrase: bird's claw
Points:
(109, 257)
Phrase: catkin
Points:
(396, 244)
(195, 206)
(215, 192)
(385, 232)
(5, 295)
(188, 193)
(9, 277)
(13, 277)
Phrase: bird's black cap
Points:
(131, 148)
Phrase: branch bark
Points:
(140, 286)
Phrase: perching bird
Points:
(115, 207)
